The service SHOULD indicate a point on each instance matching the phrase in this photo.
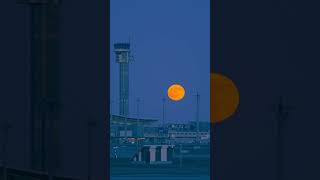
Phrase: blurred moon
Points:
(224, 98)
(176, 92)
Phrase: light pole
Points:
(180, 155)
(110, 121)
(163, 110)
(126, 129)
(163, 116)
(197, 116)
(282, 116)
(6, 128)
(138, 119)
(91, 125)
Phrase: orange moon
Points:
(176, 92)
(224, 98)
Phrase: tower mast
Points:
(122, 51)
(45, 103)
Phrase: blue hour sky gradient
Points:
(171, 44)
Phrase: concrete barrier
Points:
(154, 154)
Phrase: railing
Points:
(19, 174)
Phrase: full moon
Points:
(176, 92)
(224, 98)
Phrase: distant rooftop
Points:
(115, 119)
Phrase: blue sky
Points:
(171, 44)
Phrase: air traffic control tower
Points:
(122, 51)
